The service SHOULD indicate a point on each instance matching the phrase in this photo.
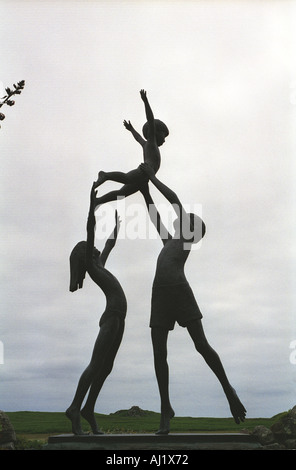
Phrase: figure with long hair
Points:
(85, 258)
(173, 300)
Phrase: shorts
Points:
(137, 177)
(111, 312)
(173, 303)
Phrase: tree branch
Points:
(6, 99)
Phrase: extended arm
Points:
(137, 136)
(110, 243)
(155, 216)
(149, 114)
(170, 195)
(90, 227)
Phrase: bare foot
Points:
(165, 419)
(101, 179)
(238, 410)
(90, 418)
(74, 416)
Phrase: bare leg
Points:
(212, 359)
(159, 342)
(118, 176)
(87, 411)
(131, 177)
(108, 332)
(123, 192)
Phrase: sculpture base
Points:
(148, 442)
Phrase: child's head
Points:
(161, 131)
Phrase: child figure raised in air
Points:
(155, 131)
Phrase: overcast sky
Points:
(222, 76)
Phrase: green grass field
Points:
(38, 425)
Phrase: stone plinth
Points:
(221, 441)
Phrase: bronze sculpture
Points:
(173, 300)
(155, 132)
(86, 258)
(172, 297)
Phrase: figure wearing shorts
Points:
(173, 300)
(173, 303)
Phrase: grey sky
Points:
(222, 76)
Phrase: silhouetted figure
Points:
(155, 131)
(86, 258)
(173, 300)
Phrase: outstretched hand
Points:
(147, 170)
(127, 125)
(143, 94)
(117, 220)
(116, 228)
(93, 194)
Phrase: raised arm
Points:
(171, 196)
(110, 243)
(155, 216)
(149, 114)
(90, 227)
(137, 136)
